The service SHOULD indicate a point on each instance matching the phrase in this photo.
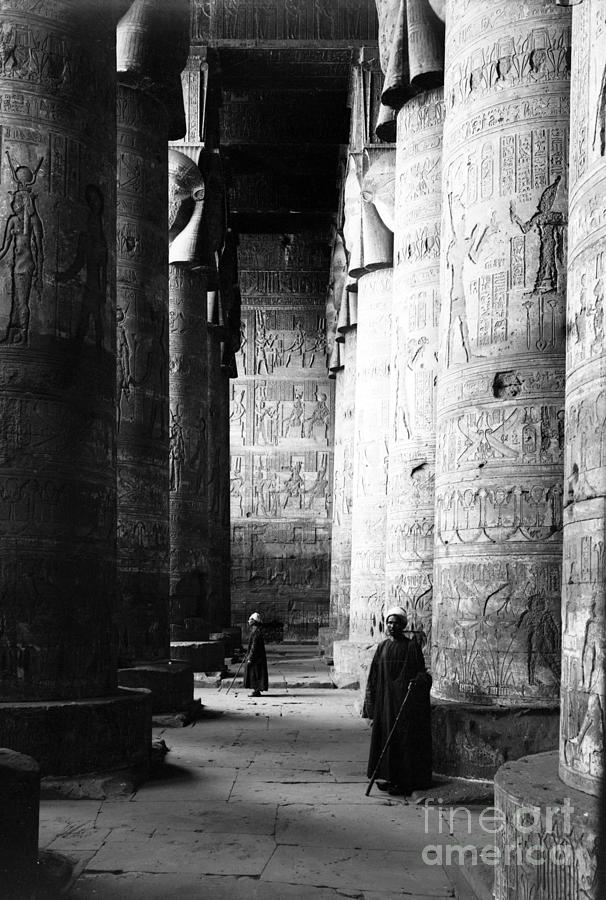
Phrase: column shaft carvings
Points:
(142, 377)
(583, 596)
(340, 572)
(500, 432)
(188, 389)
(57, 381)
(370, 465)
(415, 314)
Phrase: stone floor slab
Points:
(148, 818)
(227, 854)
(264, 792)
(378, 827)
(361, 869)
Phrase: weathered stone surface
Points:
(411, 43)
(79, 736)
(281, 418)
(142, 377)
(170, 683)
(370, 464)
(57, 315)
(548, 833)
(20, 800)
(496, 632)
(413, 368)
(275, 20)
(473, 741)
(583, 596)
(340, 562)
(188, 446)
(202, 656)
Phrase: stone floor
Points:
(266, 800)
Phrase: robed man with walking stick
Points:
(397, 701)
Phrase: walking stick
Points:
(387, 742)
(234, 678)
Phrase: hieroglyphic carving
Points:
(188, 392)
(371, 455)
(500, 413)
(57, 374)
(142, 328)
(415, 316)
(582, 722)
(281, 418)
(283, 20)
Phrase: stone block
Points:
(79, 736)
(197, 629)
(548, 836)
(170, 682)
(19, 802)
(202, 656)
(472, 741)
(352, 661)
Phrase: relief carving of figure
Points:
(319, 488)
(123, 359)
(237, 412)
(586, 749)
(296, 417)
(23, 234)
(461, 248)
(176, 453)
(267, 414)
(543, 639)
(91, 255)
(550, 227)
(320, 416)
(294, 486)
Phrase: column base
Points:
(20, 804)
(74, 737)
(202, 656)
(352, 661)
(472, 741)
(546, 845)
(326, 640)
(171, 683)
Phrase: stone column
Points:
(147, 117)
(496, 631)
(343, 369)
(57, 466)
(188, 390)
(414, 350)
(217, 609)
(569, 861)
(583, 589)
(370, 472)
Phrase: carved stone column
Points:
(414, 350)
(57, 393)
(147, 117)
(583, 591)
(343, 370)
(581, 753)
(499, 456)
(370, 474)
(188, 414)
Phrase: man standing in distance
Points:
(255, 673)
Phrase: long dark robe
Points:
(255, 672)
(407, 762)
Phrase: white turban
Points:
(255, 617)
(396, 611)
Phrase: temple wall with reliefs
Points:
(281, 435)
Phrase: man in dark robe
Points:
(255, 673)
(397, 664)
